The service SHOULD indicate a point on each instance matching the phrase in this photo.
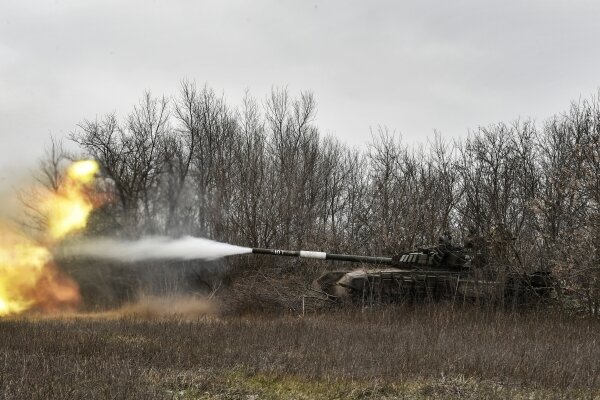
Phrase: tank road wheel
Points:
(405, 288)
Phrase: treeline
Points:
(262, 174)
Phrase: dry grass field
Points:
(423, 352)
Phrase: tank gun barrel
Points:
(324, 256)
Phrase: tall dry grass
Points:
(128, 357)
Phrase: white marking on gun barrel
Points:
(313, 254)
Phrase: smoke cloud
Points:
(154, 248)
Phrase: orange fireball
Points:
(28, 279)
(68, 209)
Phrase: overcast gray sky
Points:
(413, 66)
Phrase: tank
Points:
(442, 271)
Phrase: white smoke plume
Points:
(153, 248)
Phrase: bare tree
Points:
(131, 156)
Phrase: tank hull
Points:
(394, 285)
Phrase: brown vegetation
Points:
(424, 352)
